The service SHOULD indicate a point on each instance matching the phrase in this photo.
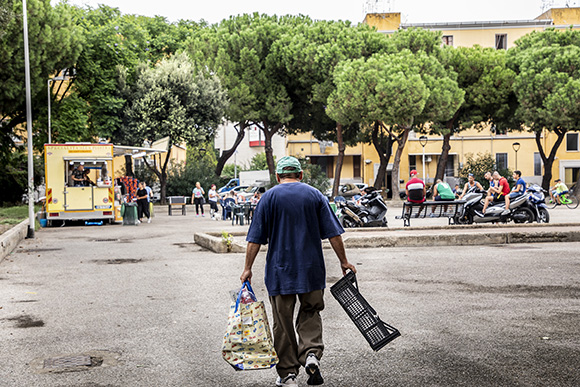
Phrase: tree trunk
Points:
(384, 155)
(129, 166)
(339, 160)
(163, 176)
(549, 160)
(401, 141)
(442, 163)
(226, 154)
(268, 149)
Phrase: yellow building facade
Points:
(361, 161)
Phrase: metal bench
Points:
(439, 209)
(177, 201)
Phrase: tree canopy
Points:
(174, 100)
(54, 44)
(547, 86)
(239, 51)
(308, 54)
(398, 91)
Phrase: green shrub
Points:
(479, 165)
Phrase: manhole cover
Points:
(67, 362)
(121, 261)
(38, 250)
(77, 362)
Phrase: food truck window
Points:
(97, 173)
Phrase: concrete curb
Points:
(11, 238)
(438, 236)
(215, 242)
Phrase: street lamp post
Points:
(236, 164)
(423, 141)
(30, 233)
(516, 146)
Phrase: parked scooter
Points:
(536, 203)
(519, 211)
(370, 213)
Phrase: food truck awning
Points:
(135, 151)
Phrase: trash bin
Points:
(129, 214)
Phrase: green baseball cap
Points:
(288, 161)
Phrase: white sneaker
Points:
(505, 212)
(312, 366)
(138, 221)
(148, 220)
(289, 380)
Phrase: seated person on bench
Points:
(415, 189)
(442, 192)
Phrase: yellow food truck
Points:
(80, 183)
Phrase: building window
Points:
(355, 166)
(572, 142)
(501, 161)
(501, 41)
(537, 164)
(448, 40)
(325, 163)
(412, 163)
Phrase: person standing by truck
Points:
(197, 198)
(143, 203)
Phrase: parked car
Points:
(235, 190)
(233, 183)
(250, 191)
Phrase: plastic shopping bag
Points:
(248, 343)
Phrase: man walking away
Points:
(293, 218)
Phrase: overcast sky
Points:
(413, 11)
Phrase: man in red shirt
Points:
(500, 192)
(415, 189)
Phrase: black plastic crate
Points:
(377, 332)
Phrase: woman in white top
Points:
(213, 199)
(197, 198)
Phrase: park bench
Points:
(177, 201)
(439, 209)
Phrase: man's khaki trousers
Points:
(292, 354)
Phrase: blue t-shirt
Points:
(523, 184)
(293, 218)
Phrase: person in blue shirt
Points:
(293, 218)
(520, 188)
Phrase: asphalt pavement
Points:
(152, 307)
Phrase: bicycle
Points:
(568, 199)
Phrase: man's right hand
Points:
(246, 276)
